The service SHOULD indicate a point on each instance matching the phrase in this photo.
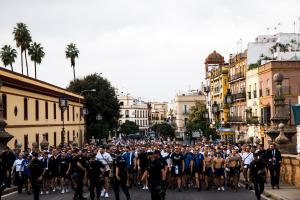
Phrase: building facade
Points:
(158, 112)
(134, 110)
(31, 110)
(182, 106)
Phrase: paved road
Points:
(138, 194)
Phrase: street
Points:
(138, 194)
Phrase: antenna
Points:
(278, 27)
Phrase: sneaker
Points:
(62, 191)
(47, 192)
(146, 188)
(223, 189)
(67, 190)
(102, 193)
(106, 195)
(42, 192)
(219, 188)
(54, 190)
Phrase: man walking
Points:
(274, 158)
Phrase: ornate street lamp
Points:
(63, 104)
(228, 98)
(5, 137)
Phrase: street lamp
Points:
(5, 137)
(63, 104)
(228, 98)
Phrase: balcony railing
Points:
(238, 119)
(239, 96)
(253, 120)
(237, 76)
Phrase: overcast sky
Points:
(148, 48)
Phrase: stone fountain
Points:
(279, 131)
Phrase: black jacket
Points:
(270, 156)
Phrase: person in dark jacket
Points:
(274, 161)
(258, 174)
(38, 170)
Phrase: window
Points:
(73, 112)
(68, 137)
(127, 113)
(68, 113)
(54, 110)
(54, 138)
(121, 103)
(25, 142)
(4, 101)
(46, 109)
(46, 136)
(73, 135)
(26, 109)
(185, 109)
(37, 110)
(37, 139)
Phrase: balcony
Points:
(253, 120)
(236, 119)
(239, 96)
(236, 77)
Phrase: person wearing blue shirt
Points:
(129, 157)
(188, 164)
(198, 167)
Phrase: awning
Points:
(226, 131)
(296, 112)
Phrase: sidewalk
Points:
(10, 190)
(286, 192)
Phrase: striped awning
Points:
(226, 131)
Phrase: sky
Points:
(152, 49)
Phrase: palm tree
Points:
(8, 56)
(72, 52)
(23, 38)
(36, 52)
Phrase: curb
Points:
(9, 190)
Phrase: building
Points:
(158, 112)
(237, 84)
(31, 111)
(182, 105)
(267, 88)
(134, 110)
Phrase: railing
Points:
(237, 76)
(239, 96)
(253, 120)
(236, 119)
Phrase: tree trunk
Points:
(12, 69)
(35, 70)
(22, 61)
(74, 72)
(26, 62)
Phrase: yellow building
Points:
(31, 110)
(218, 89)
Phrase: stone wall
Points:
(290, 169)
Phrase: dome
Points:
(278, 77)
(214, 58)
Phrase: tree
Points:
(8, 56)
(72, 52)
(104, 102)
(163, 129)
(129, 127)
(23, 38)
(36, 52)
(197, 112)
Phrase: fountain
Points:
(279, 132)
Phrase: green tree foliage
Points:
(163, 129)
(36, 52)
(104, 102)
(129, 127)
(8, 56)
(197, 112)
(23, 38)
(71, 53)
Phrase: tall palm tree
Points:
(36, 52)
(8, 56)
(72, 52)
(23, 38)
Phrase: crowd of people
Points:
(155, 165)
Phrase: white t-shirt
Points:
(105, 158)
(247, 158)
(18, 165)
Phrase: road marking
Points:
(9, 194)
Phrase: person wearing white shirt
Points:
(247, 158)
(18, 167)
(106, 160)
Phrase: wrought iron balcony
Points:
(236, 119)
(239, 96)
(253, 120)
(237, 76)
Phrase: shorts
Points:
(47, 175)
(179, 174)
(198, 170)
(234, 171)
(106, 173)
(142, 170)
(208, 172)
(187, 172)
(219, 172)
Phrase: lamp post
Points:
(5, 137)
(63, 104)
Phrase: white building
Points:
(158, 112)
(134, 110)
